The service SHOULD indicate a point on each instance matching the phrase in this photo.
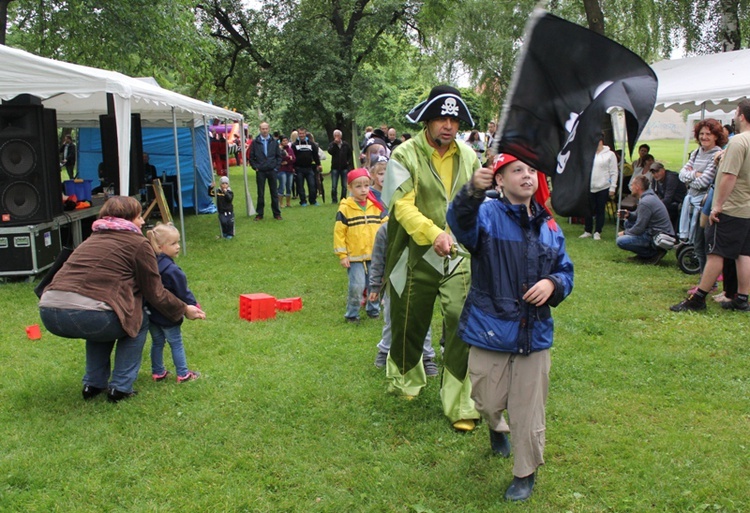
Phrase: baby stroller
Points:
(687, 258)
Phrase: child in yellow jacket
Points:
(357, 222)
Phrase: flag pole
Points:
(614, 114)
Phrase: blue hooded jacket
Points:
(511, 249)
(174, 280)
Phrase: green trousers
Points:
(411, 316)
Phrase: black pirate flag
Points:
(566, 80)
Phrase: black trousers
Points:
(306, 174)
(261, 177)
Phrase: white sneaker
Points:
(597, 236)
(585, 235)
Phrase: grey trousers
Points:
(519, 384)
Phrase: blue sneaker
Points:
(303, 204)
(316, 204)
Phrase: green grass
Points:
(669, 152)
(648, 409)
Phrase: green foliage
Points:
(647, 409)
(139, 38)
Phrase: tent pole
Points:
(179, 181)
(623, 142)
(208, 144)
(248, 198)
(195, 167)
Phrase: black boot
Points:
(499, 443)
(520, 489)
(115, 396)
(90, 392)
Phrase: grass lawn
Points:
(669, 152)
(648, 410)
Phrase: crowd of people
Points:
(408, 219)
(704, 205)
(409, 235)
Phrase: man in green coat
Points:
(422, 264)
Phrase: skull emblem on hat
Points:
(449, 108)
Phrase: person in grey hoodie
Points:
(649, 219)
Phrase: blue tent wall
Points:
(159, 144)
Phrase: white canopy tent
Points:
(704, 86)
(714, 82)
(79, 95)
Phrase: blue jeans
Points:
(101, 330)
(285, 183)
(691, 209)
(641, 244)
(335, 175)
(358, 279)
(173, 335)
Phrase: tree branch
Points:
(238, 40)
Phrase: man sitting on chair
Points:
(649, 219)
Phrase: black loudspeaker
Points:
(30, 187)
(111, 154)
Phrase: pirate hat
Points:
(444, 100)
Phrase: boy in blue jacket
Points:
(519, 269)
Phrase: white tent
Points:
(716, 81)
(79, 95)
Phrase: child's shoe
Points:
(160, 377)
(430, 367)
(191, 375)
(381, 359)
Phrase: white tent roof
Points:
(715, 81)
(79, 93)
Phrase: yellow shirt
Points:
(421, 229)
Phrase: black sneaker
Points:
(115, 396)
(736, 304)
(691, 304)
(381, 359)
(90, 392)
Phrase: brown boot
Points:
(288, 201)
(281, 199)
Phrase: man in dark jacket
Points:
(392, 141)
(265, 158)
(306, 165)
(669, 189)
(341, 164)
(68, 155)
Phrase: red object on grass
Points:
(257, 307)
(290, 304)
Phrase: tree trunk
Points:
(3, 19)
(729, 30)
(594, 15)
(595, 19)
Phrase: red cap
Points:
(502, 159)
(356, 173)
